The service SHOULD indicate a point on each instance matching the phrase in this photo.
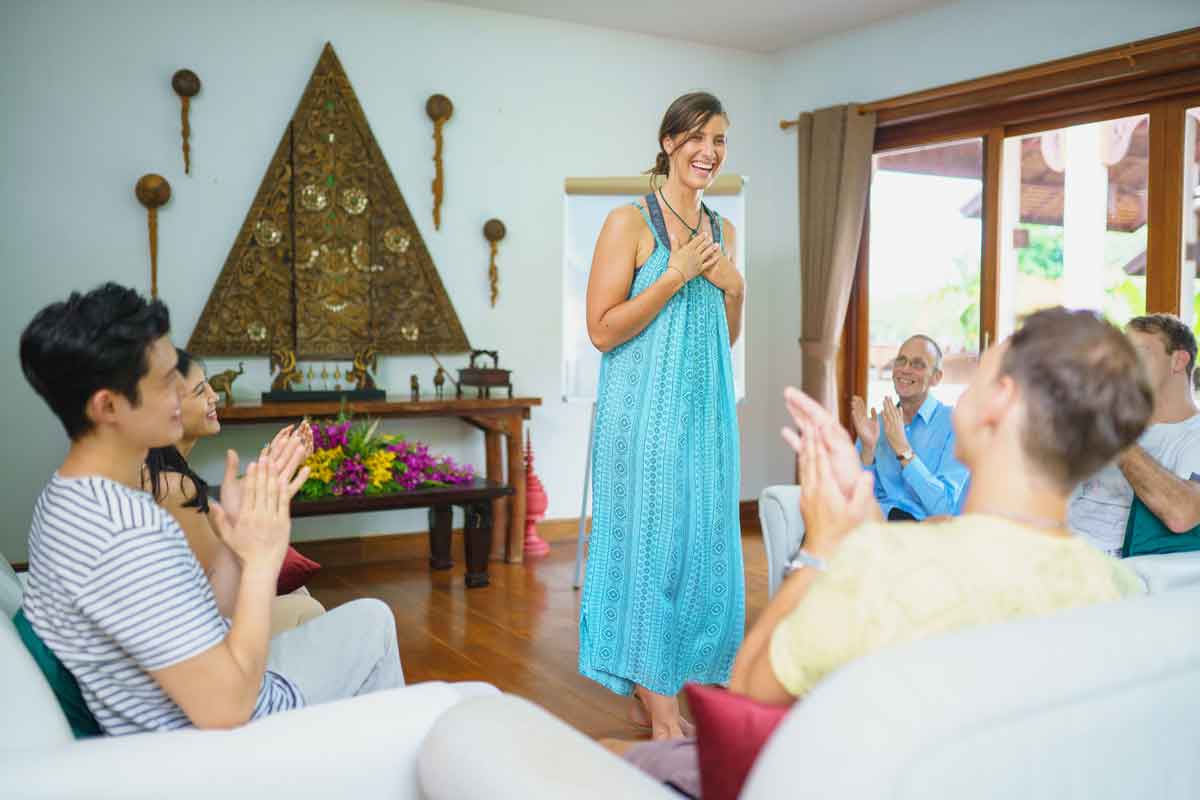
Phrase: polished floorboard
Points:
(519, 634)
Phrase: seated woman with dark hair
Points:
(178, 489)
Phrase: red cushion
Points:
(295, 572)
(730, 730)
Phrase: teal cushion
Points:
(1146, 535)
(65, 687)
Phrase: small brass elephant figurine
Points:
(222, 382)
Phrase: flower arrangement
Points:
(353, 458)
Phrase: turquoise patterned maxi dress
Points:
(664, 600)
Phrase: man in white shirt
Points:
(114, 590)
(1163, 468)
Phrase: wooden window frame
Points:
(1159, 77)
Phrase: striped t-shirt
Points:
(115, 592)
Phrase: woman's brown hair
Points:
(686, 115)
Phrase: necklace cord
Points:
(695, 231)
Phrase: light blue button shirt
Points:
(933, 481)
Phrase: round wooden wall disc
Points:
(152, 190)
(439, 107)
(494, 230)
(185, 83)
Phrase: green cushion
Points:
(65, 687)
(1146, 535)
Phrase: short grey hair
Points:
(937, 349)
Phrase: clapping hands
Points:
(893, 426)
(286, 452)
(865, 425)
(259, 535)
(836, 494)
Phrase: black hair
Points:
(169, 459)
(74, 348)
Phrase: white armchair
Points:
(782, 530)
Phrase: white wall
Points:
(941, 45)
(88, 108)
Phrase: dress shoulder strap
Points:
(658, 225)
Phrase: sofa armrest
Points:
(364, 747)
(507, 748)
(782, 530)
(1168, 572)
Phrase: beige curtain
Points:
(835, 172)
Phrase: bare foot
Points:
(638, 714)
(640, 717)
(663, 710)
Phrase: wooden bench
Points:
(474, 498)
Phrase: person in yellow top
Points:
(1044, 410)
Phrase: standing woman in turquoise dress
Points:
(664, 601)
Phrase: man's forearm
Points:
(226, 578)
(867, 454)
(1173, 500)
(250, 634)
(933, 490)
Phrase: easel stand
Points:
(583, 536)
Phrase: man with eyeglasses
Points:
(909, 445)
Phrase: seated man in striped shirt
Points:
(115, 591)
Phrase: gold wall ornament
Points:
(222, 382)
(153, 192)
(283, 367)
(187, 85)
(440, 109)
(328, 259)
(397, 240)
(493, 231)
(313, 198)
(354, 201)
(266, 234)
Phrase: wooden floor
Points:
(520, 633)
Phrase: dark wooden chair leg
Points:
(477, 530)
(441, 520)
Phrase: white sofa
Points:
(361, 748)
(1097, 703)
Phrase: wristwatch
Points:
(804, 559)
(905, 457)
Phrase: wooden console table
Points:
(498, 417)
(476, 499)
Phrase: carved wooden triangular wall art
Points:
(329, 259)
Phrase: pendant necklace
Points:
(699, 220)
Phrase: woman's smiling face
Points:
(199, 405)
(697, 157)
